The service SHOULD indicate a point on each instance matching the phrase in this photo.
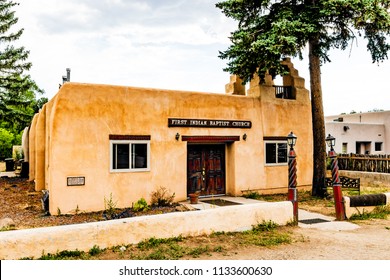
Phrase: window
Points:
(130, 155)
(275, 152)
(344, 148)
(378, 146)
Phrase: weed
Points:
(265, 239)
(77, 210)
(140, 205)
(95, 250)
(155, 242)
(63, 255)
(197, 251)
(157, 255)
(58, 211)
(218, 233)
(162, 197)
(218, 249)
(252, 195)
(291, 223)
(264, 234)
(110, 205)
(8, 228)
(265, 226)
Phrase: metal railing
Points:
(284, 92)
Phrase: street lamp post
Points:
(292, 175)
(337, 194)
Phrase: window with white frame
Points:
(275, 152)
(129, 153)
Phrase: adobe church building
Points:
(91, 142)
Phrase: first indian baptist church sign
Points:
(176, 122)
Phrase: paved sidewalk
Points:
(308, 219)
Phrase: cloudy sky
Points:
(170, 44)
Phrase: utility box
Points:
(9, 164)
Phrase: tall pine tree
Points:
(17, 90)
(270, 30)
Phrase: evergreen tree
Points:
(268, 31)
(17, 90)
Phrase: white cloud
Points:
(170, 44)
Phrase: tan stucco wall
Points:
(31, 141)
(25, 144)
(40, 150)
(280, 117)
(80, 144)
(72, 139)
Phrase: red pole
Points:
(337, 194)
(292, 183)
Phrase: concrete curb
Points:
(349, 211)
(33, 242)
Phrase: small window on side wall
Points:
(130, 155)
(378, 146)
(276, 153)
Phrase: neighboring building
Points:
(360, 133)
(91, 142)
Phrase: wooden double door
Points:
(206, 169)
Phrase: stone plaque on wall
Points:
(75, 181)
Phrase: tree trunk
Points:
(319, 146)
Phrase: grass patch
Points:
(65, 255)
(95, 251)
(379, 212)
(155, 242)
(265, 234)
(265, 226)
(252, 195)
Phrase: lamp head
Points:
(330, 141)
(291, 140)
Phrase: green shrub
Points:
(265, 226)
(95, 250)
(162, 197)
(110, 205)
(140, 205)
(252, 195)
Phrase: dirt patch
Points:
(23, 205)
(369, 242)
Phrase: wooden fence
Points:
(367, 163)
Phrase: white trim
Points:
(130, 169)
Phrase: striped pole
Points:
(292, 183)
(337, 194)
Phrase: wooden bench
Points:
(347, 183)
